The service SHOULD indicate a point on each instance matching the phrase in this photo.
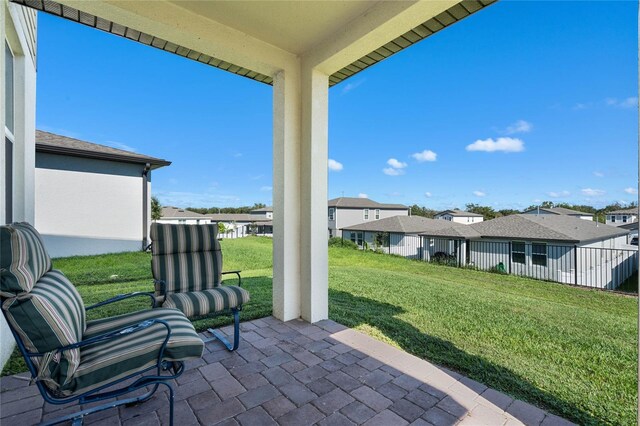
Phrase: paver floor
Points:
(296, 373)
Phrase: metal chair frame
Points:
(157, 379)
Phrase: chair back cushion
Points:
(23, 259)
(186, 257)
(50, 316)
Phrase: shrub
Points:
(339, 242)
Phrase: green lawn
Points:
(569, 350)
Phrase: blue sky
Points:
(521, 102)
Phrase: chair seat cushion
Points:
(113, 359)
(205, 302)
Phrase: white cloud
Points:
(351, 86)
(630, 102)
(631, 190)
(266, 188)
(334, 165)
(427, 194)
(590, 192)
(396, 164)
(519, 126)
(426, 155)
(558, 194)
(479, 193)
(500, 144)
(120, 145)
(390, 171)
(598, 174)
(362, 195)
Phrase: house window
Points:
(539, 254)
(518, 252)
(366, 214)
(332, 213)
(356, 237)
(9, 106)
(613, 219)
(624, 219)
(377, 214)
(182, 221)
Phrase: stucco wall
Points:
(347, 217)
(86, 206)
(18, 27)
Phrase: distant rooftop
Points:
(416, 225)
(263, 210)
(176, 213)
(458, 213)
(362, 203)
(546, 228)
(559, 210)
(63, 145)
(235, 217)
(633, 210)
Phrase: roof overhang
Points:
(154, 163)
(254, 38)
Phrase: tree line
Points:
(489, 212)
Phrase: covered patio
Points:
(296, 373)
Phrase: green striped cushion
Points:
(114, 359)
(209, 301)
(52, 315)
(186, 257)
(23, 258)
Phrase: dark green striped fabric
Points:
(186, 257)
(209, 301)
(23, 258)
(52, 315)
(110, 360)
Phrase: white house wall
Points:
(86, 206)
(345, 217)
(18, 27)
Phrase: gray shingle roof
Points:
(559, 210)
(64, 145)
(459, 213)
(633, 210)
(546, 227)
(416, 225)
(175, 213)
(263, 210)
(362, 203)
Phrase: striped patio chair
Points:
(186, 263)
(73, 359)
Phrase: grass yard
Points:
(569, 350)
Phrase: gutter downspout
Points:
(145, 205)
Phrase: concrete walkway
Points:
(296, 373)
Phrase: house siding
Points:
(350, 216)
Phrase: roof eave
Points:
(155, 163)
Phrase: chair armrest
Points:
(236, 273)
(163, 286)
(120, 297)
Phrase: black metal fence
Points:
(596, 267)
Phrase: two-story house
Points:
(623, 216)
(459, 216)
(348, 211)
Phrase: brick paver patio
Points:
(296, 373)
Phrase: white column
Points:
(313, 228)
(286, 194)
(300, 255)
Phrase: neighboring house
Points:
(346, 211)
(90, 198)
(240, 225)
(265, 212)
(558, 248)
(559, 211)
(17, 126)
(415, 237)
(632, 227)
(178, 215)
(460, 216)
(620, 217)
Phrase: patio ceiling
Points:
(296, 27)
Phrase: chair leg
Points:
(236, 333)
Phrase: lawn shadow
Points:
(352, 311)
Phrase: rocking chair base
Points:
(217, 335)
